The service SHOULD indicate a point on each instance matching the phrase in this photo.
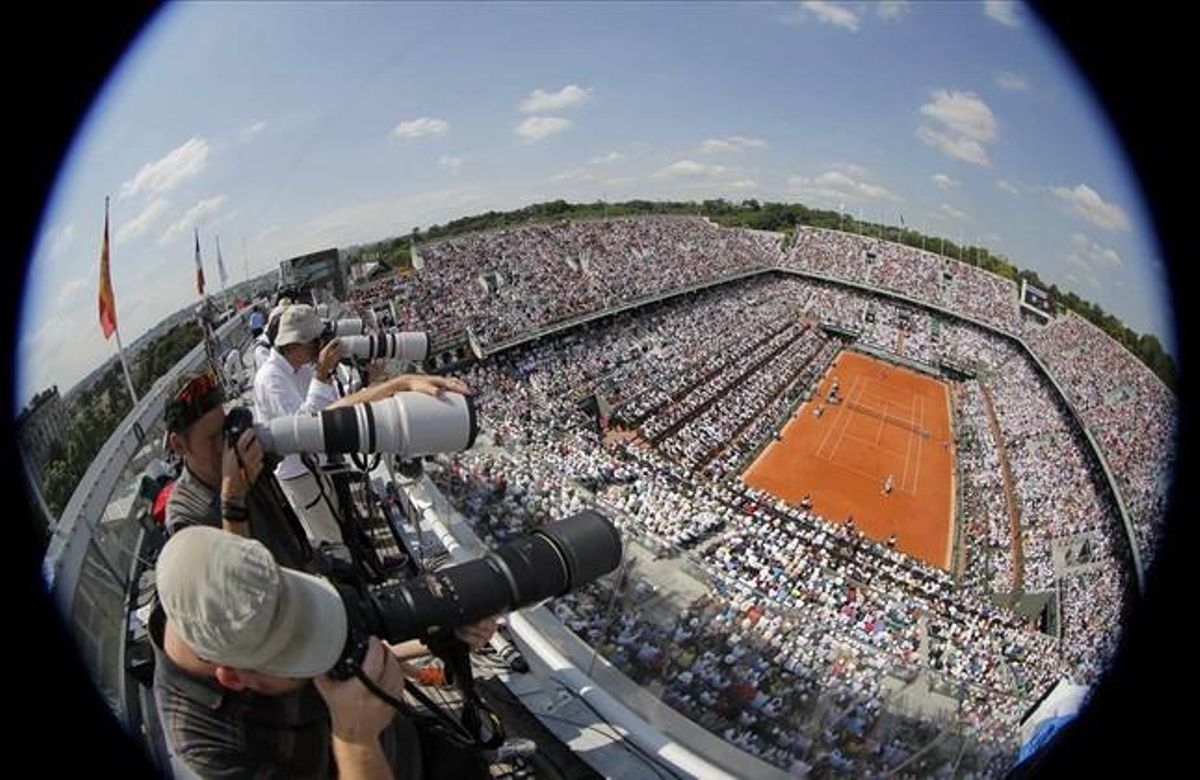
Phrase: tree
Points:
(58, 484)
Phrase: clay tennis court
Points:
(890, 422)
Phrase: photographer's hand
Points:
(377, 372)
(358, 715)
(432, 385)
(478, 634)
(328, 359)
(240, 467)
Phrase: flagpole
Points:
(112, 300)
(125, 366)
(221, 273)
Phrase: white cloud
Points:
(59, 240)
(535, 128)
(964, 123)
(954, 213)
(732, 143)
(1007, 187)
(611, 157)
(1093, 255)
(1086, 203)
(691, 168)
(574, 174)
(177, 166)
(828, 13)
(422, 127)
(743, 184)
(1012, 81)
(850, 169)
(192, 218)
(142, 222)
(450, 163)
(893, 9)
(619, 181)
(836, 187)
(248, 134)
(1002, 11)
(943, 181)
(568, 96)
(371, 220)
(70, 290)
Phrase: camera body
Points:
(238, 420)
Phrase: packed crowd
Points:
(923, 276)
(1129, 411)
(788, 560)
(736, 669)
(508, 283)
(1057, 486)
(704, 380)
(989, 565)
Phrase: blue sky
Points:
(286, 128)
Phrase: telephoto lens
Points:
(409, 346)
(408, 424)
(347, 327)
(551, 561)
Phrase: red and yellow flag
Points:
(108, 304)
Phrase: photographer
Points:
(258, 338)
(296, 379)
(219, 487)
(239, 643)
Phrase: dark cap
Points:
(194, 396)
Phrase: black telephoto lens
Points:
(549, 562)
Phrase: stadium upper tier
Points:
(504, 284)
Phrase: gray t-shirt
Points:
(272, 520)
(220, 733)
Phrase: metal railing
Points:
(91, 553)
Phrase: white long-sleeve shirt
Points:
(262, 351)
(282, 391)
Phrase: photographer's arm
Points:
(239, 470)
(357, 716)
(428, 384)
(359, 761)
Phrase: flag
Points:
(199, 267)
(108, 303)
(221, 264)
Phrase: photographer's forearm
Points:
(235, 517)
(406, 651)
(239, 527)
(360, 761)
(373, 393)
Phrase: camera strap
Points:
(456, 732)
(456, 655)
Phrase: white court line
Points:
(828, 430)
(868, 443)
(837, 464)
(907, 455)
(920, 442)
(882, 422)
(833, 426)
(846, 416)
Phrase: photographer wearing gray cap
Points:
(242, 646)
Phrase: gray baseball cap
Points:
(233, 605)
(298, 324)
